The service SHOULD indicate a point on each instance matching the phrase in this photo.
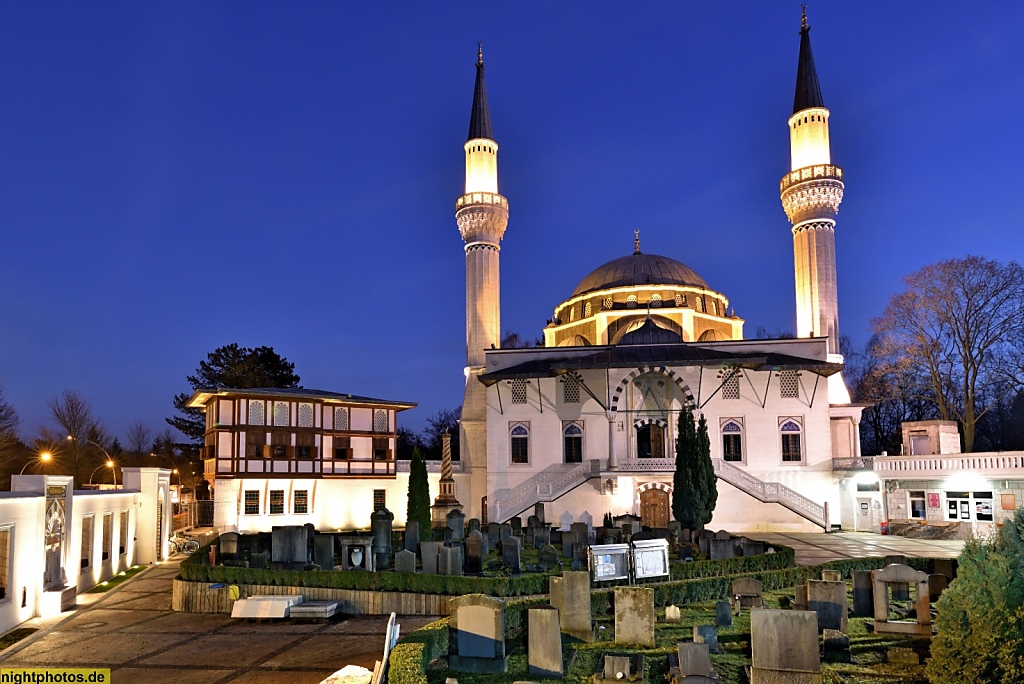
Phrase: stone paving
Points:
(133, 631)
(814, 548)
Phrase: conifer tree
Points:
(419, 493)
(694, 491)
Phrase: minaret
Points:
(811, 193)
(482, 215)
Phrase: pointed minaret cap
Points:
(636, 242)
(480, 120)
(808, 92)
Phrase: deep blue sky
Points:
(178, 176)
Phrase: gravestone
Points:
(323, 551)
(258, 559)
(944, 566)
(405, 561)
(588, 520)
(626, 533)
(721, 549)
(289, 546)
(752, 547)
(229, 545)
(474, 524)
(706, 634)
(784, 647)
(504, 532)
(449, 560)
(380, 527)
(831, 576)
(672, 614)
(901, 574)
(544, 642)
(494, 533)
(477, 634)
(800, 597)
(428, 554)
(828, 600)
(616, 668)
(722, 534)
(411, 536)
(356, 553)
(863, 596)
(936, 585)
(555, 536)
(694, 660)
(548, 557)
(575, 613)
(455, 525)
(510, 552)
(746, 593)
(582, 533)
(836, 646)
(723, 614)
(538, 512)
(474, 552)
(704, 543)
(634, 616)
(568, 540)
(555, 592)
(541, 537)
(517, 526)
(900, 590)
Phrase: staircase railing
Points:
(772, 492)
(547, 485)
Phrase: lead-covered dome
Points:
(639, 269)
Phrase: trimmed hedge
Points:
(411, 656)
(784, 557)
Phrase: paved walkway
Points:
(133, 631)
(814, 548)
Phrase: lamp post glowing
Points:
(110, 461)
(44, 457)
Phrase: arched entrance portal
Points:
(655, 508)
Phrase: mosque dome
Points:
(650, 333)
(639, 269)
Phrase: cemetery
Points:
(534, 602)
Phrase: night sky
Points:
(179, 176)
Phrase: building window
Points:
(305, 445)
(252, 502)
(650, 441)
(255, 440)
(342, 448)
(5, 561)
(381, 449)
(300, 505)
(572, 314)
(122, 542)
(518, 391)
(519, 441)
(983, 506)
(108, 535)
(379, 499)
(732, 441)
(655, 301)
(698, 303)
(341, 419)
(789, 385)
(571, 389)
(276, 501)
(608, 303)
(631, 302)
(680, 300)
(380, 421)
(86, 541)
(255, 413)
(587, 310)
(306, 415)
(279, 443)
(281, 413)
(731, 386)
(790, 431)
(572, 442)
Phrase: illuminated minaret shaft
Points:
(811, 193)
(482, 215)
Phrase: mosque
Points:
(585, 425)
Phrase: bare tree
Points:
(956, 330)
(8, 425)
(138, 441)
(81, 433)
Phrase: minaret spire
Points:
(808, 91)
(480, 119)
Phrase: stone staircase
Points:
(547, 485)
(772, 492)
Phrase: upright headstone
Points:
(428, 554)
(568, 540)
(517, 526)
(411, 536)
(672, 614)
(721, 549)
(747, 592)
(722, 534)
(504, 532)
(800, 597)
(704, 543)
(547, 557)
(575, 614)
(831, 576)
(555, 591)
(510, 554)
(706, 634)
(538, 512)
(473, 524)
(544, 642)
(323, 551)
(863, 597)
(449, 560)
(634, 616)
(836, 646)
(456, 522)
(494, 533)
(289, 546)
(752, 547)
(474, 552)
(541, 537)
(581, 531)
(229, 546)
(723, 614)
(828, 600)
(936, 585)
(900, 590)
(405, 561)
(784, 647)
(694, 660)
(380, 527)
(477, 628)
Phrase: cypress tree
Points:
(419, 493)
(694, 491)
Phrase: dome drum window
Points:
(698, 303)
(655, 301)
(587, 310)
(631, 302)
(680, 300)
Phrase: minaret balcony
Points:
(812, 193)
(810, 173)
(477, 198)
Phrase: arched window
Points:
(519, 442)
(306, 415)
(572, 442)
(631, 302)
(341, 419)
(255, 413)
(380, 420)
(608, 303)
(680, 300)
(572, 314)
(281, 413)
(655, 301)
(714, 306)
(732, 440)
(698, 303)
(587, 310)
(790, 430)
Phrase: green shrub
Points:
(413, 653)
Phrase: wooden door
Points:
(654, 508)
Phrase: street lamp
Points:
(109, 464)
(43, 458)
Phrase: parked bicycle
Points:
(182, 543)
